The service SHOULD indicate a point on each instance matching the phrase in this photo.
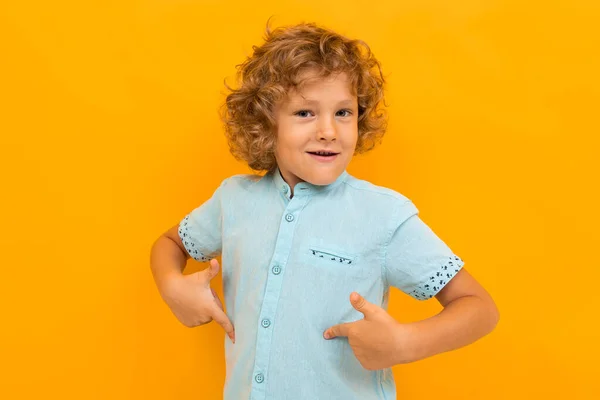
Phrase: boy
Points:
(298, 241)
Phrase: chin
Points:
(323, 179)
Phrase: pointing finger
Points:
(217, 299)
(342, 330)
(221, 318)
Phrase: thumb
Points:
(361, 304)
(213, 269)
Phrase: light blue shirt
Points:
(289, 266)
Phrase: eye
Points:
(343, 113)
(303, 113)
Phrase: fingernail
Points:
(326, 335)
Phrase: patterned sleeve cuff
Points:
(434, 283)
(190, 244)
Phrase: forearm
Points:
(461, 322)
(166, 260)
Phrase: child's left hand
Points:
(378, 341)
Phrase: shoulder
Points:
(391, 205)
(242, 179)
(370, 191)
(241, 183)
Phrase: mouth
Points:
(323, 153)
(323, 156)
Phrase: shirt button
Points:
(285, 189)
(259, 378)
(265, 323)
(277, 270)
(289, 218)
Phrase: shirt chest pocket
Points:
(335, 261)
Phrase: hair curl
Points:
(274, 68)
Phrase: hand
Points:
(195, 303)
(378, 341)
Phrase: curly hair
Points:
(274, 69)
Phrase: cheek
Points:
(352, 138)
(279, 150)
(289, 138)
(283, 146)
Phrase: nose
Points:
(326, 129)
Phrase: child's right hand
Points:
(195, 303)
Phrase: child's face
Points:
(321, 116)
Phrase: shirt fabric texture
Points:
(289, 267)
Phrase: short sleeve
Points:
(417, 261)
(200, 230)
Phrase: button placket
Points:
(272, 294)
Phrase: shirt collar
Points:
(303, 188)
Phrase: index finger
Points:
(342, 330)
(221, 318)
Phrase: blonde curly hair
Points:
(274, 69)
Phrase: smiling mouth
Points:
(325, 157)
(323, 153)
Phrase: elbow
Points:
(490, 310)
(494, 315)
(489, 314)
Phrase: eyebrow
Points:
(342, 103)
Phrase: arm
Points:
(379, 341)
(190, 297)
(168, 258)
(469, 314)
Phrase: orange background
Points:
(110, 135)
